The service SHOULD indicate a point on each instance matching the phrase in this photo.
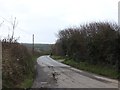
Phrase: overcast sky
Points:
(45, 18)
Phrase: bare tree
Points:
(14, 23)
(11, 38)
(1, 23)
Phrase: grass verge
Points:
(28, 82)
(57, 57)
(97, 69)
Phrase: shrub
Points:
(16, 64)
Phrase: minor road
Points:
(53, 74)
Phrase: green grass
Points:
(41, 47)
(28, 82)
(97, 69)
(57, 57)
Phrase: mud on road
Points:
(44, 78)
(53, 74)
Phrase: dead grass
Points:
(16, 64)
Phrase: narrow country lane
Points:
(53, 74)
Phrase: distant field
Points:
(39, 47)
